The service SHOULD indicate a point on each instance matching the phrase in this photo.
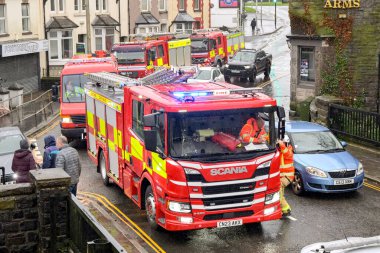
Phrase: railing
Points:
(363, 125)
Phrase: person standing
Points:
(68, 160)
(253, 25)
(286, 172)
(50, 153)
(23, 162)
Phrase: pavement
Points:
(369, 157)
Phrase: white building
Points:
(22, 48)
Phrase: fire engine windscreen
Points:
(199, 46)
(129, 54)
(215, 134)
(73, 91)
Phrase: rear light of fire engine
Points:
(272, 198)
(66, 119)
(179, 207)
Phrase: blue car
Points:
(321, 162)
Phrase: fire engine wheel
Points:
(103, 169)
(150, 207)
(297, 184)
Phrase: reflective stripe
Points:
(274, 174)
(111, 145)
(201, 196)
(236, 47)
(102, 126)
(286, 166)
(287, 174)
(228, 182)
(202, 207)
(285, 150)
(159, 62)
(212, 53)
(159, 165)
(242, 45)
(229, 49)
(90, 119)
(119, 139)
(136, 149)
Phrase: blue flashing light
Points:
(179, 94)
(192, 94)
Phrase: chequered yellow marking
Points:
(136, 149)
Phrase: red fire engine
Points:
(72, 106)
(137, 59)
(175, 152)
(214, 46)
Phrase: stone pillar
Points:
(52, 198)
(15, 93)
(4, 98)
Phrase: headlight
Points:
(315, 172)
(247, 67)
(272, 198)
(191, 171)
(15, 176)
(360, 169)
(264, 165)
(66, 120)
(179, 207)
(226, 65)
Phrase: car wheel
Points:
(103, 169)
(252, 78)
(267, 71)
(227, 79)
(150, 208)
(297, 184)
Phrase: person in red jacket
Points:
(253, 131)
(23, 162)
(286, 172)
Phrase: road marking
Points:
(291, 218)
(262, 85)
(46, 130)
(373, 187)
(102, 199)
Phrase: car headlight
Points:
(360, 169)
(191, 171)
(272, 198)
(247, 67)
(66, 119)
(179, 207)
(15, 176)
(315, 172)
(226, 65)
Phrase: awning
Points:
(183, 17)
(60, 22)
(146, 19)
(104, 20)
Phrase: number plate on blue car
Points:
(229, 223)
(343, 181)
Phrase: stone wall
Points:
(319, 108)
(34, 216)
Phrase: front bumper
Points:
(172, 222)
(317, 184)
(73, 133)
(246, 73)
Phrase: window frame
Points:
(25, 17)
(165, 5)
(138, 120)
(101, 5)
(148, 6)
(4, 18)
(184, 5)
(81, 5)
(312, 52)
(59, 38)
(199, 5)
(55, 6)
(104, 36)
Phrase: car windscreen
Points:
(73, 91)
(203, 75)
(129, 55)
(214, 134)
(10, 143)
(244, 56)
(199, 46)
(315, 142)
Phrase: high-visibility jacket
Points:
(252, 133)
(286, 162)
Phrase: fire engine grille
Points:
(78, 119)
(228, 200)
(232, 215)
(228, 188)
(341, 187)
(238, 67)
(342, 174)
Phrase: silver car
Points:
(207, 74)
(10, 138)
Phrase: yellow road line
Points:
(270, 81)
(52, 126)
(374, 187)
(135, 227)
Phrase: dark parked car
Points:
(10, 138)
(248, 63)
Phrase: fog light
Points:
(185, 220)
(268, 211)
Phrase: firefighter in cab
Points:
(286, 171)
(253, 131)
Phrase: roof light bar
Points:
(205, 93)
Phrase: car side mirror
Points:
(344, 144)
(150, 139)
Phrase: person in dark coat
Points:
(253, 25)
(50, 152)
(23, 161)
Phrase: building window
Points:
(162, 5)
(104, 38)
(145, 5)
(184, 28)
(163, 27)
(25, 17)
(60, 45)
(181, 5)
(307, 67)
(3, 20)
(148, 29)
(79, 5)
(137, 118)
(57, 5)
(196, 5)
(101, 5)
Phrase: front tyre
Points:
(150, 208)
(227, 79)
(297, 184)
(252, 77)
(103, 169)
(267, 71)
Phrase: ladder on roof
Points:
(112, 79)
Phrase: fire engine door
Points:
(136, 137)
(112, 141)
(91, 130)
(220, 47)
(213, 48)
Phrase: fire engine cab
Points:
(72, 106)
(138, 57)
(214, 46)
(174, 149)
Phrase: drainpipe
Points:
(45, 35)
(118, 2)
(129, 17)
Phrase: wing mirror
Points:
(344, 144)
